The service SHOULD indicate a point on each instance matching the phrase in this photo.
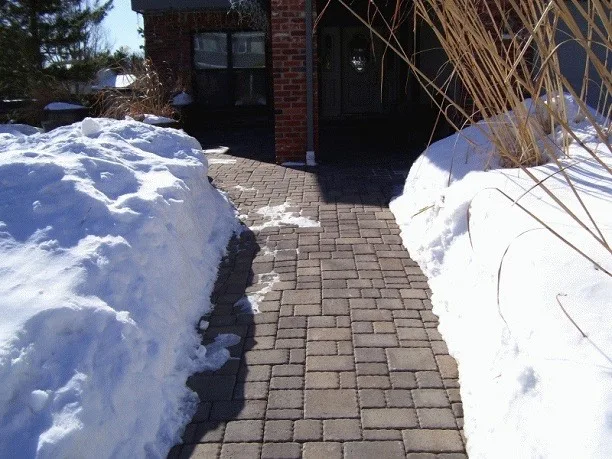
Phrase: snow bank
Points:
(59, 106)
(108, 78)
(156, 119)
(18, 129)
(182, 99)
(505, 289)
(110, 238)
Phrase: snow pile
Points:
(281, 215)
(18, 129)
(182, 99)
(221, 161)
(156, 119)
(60, 106)
(108, 78)
(514, 301)
(110, 238)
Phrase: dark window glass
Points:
(238, 79)
(210, 51)
(249, 50)
(213, 88)
(250, 87)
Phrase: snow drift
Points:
(513, 300)
(110, 239)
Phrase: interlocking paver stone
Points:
(432, 440)
(240, 450)
(345, 359)
(307, 430)
(389, 418)
(374, 449)
(411, 359)
(329, 403)
(341, 429)
(319, 450)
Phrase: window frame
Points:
(232, 72)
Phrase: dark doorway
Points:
(370, 103)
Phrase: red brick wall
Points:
(288, 38)
(168, 37)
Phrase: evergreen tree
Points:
(48, 38)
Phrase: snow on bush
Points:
(110, 239)
(514, 300)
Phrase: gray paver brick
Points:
(307, 430)
(427, 398)
(306, 296)
(389, 418)
(319, 450)
(329, 334)
(240, 450)
(322, 380)
(270, 356)
(341, 429)
(281, 451)
(330, 363)
(411, 359)
(243, 431)
(282, 399)
(281, 430)
(432, 440)
(374, 449)
(375, 340)
(436, 418)
(330, 403)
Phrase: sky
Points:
(121, 25)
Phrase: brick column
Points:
(288, 39)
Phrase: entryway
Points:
(369, 103)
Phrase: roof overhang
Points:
(178, 5)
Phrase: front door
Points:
(351, 73)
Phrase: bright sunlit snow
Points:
(281, 215)
(110, 239)
(513, 299)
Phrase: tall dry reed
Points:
(503, 52)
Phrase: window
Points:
(230, 68)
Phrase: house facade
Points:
(272, 64)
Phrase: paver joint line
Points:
(344, 359)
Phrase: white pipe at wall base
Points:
(310, 158)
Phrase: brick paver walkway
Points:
(345, 359)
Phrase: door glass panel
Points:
(210, 51)
(250, 87)
(249, 50)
